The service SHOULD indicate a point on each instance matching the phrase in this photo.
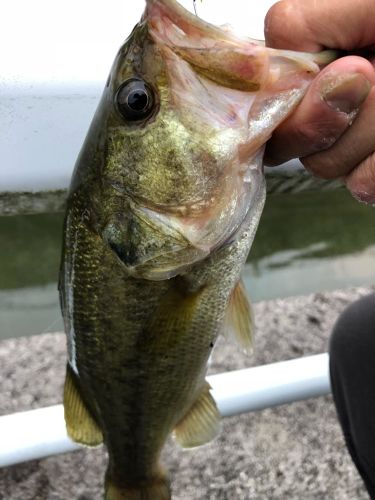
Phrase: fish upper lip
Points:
(183, 210)
(159, 263)
(141, 208)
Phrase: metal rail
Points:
(40, 433)
(291, 180)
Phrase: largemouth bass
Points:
(163, 207)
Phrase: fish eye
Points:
(135, 100)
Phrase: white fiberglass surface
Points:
(54, 61)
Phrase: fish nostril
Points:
(126, 253)
(118, 235)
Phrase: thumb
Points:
(328, 108)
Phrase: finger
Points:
(314, 24)
(351, 149)
(326, 111)
(361, 181)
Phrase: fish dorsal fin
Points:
(201, 423)
(239, 317)
(80, 425)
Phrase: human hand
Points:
(333, 128)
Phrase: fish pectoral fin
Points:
(80, 424)
(202, 422)
(239, 318)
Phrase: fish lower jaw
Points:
(153, 270)
(159, 265)
(152, 274)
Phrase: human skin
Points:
(333, 129)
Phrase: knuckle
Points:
(316, 137)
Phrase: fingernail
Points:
(344, 93)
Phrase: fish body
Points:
(163, 207)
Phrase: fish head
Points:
(184, 117)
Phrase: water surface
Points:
(305, 242)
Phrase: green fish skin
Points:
(164, 203)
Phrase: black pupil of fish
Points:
(137, 100)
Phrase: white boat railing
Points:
(40, 433)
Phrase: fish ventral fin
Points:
(80, 424)
(156, 488)
(239, 318)
(201, 424)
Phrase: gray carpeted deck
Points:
(291, 452)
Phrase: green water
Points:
(301, 220)
(305, 242)
(30, 247)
